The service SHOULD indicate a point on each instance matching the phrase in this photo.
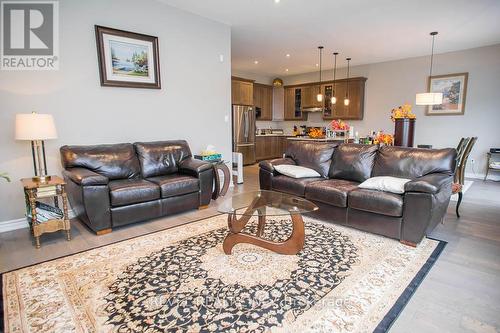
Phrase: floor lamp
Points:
(36, 128)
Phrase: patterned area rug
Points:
(179, 280)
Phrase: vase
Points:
(404, 132)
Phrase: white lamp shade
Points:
(319, 97)
(35, 126)
(429, 99)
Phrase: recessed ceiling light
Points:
(276, 1)
(317, 65)
(288, 55)
(286, 70)
(256, 62)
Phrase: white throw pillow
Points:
(385, 183)
(296, 171)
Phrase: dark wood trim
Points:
(236, 78)
(326, 82)
(99, 31)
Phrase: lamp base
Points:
(41, 179)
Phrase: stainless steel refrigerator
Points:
(244, 132)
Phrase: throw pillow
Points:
(296, 171)
(386, 184)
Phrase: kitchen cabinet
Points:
(269, 147)
(293, 104)
(355, 109)
(263, 101)
(241, 91)
(309, 96)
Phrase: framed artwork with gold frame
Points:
(454, 90)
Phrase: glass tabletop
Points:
(267, 203)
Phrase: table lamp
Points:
(36, 127)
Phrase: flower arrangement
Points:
(339, 125)
(402, 112)
(316, 133)
(383, 138)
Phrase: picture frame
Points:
(127, 59)
(454, 90)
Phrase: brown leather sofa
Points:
(118, 184)
(407, 217)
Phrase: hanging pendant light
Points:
(346, 99)
(430, 98)
(319, 96)
(333, 100)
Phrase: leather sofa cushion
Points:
(411, 163)
(331, 191)
(294, 186)
(312, 155)
(130, 191)
(378, 202)
(161, 157)
(353, 162)
(116, 161)
(176, 184)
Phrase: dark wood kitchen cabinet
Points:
(241, 91)
(269, 147)
(355, 109)
(293, 104)
(263, 101)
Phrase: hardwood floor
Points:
(460, 294)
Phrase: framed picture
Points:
(127, 59)
(454, 90)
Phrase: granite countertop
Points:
(274, 134)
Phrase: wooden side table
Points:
(54, 188)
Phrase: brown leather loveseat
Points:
(117, 184)
(407, 217)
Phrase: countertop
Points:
(318, 140)
(271, 135)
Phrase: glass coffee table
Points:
(241, 207)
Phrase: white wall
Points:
(391, 84)
(194, 99)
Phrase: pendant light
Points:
(333, 100)
(319, 96)
(430, 98)
(346, 99)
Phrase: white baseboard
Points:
(13, 224)
(22, 223)
(491, 176)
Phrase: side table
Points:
(44, 223)
(489, 156)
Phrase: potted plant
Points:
(404, 125)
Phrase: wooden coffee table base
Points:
(292, 245)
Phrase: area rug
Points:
(179, 280)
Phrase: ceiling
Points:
(368, 31)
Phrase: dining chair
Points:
(463, 151)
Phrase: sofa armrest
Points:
(268, 165)
(431, 183)
(194, 167)
(85, 177)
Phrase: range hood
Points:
(312, 109)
